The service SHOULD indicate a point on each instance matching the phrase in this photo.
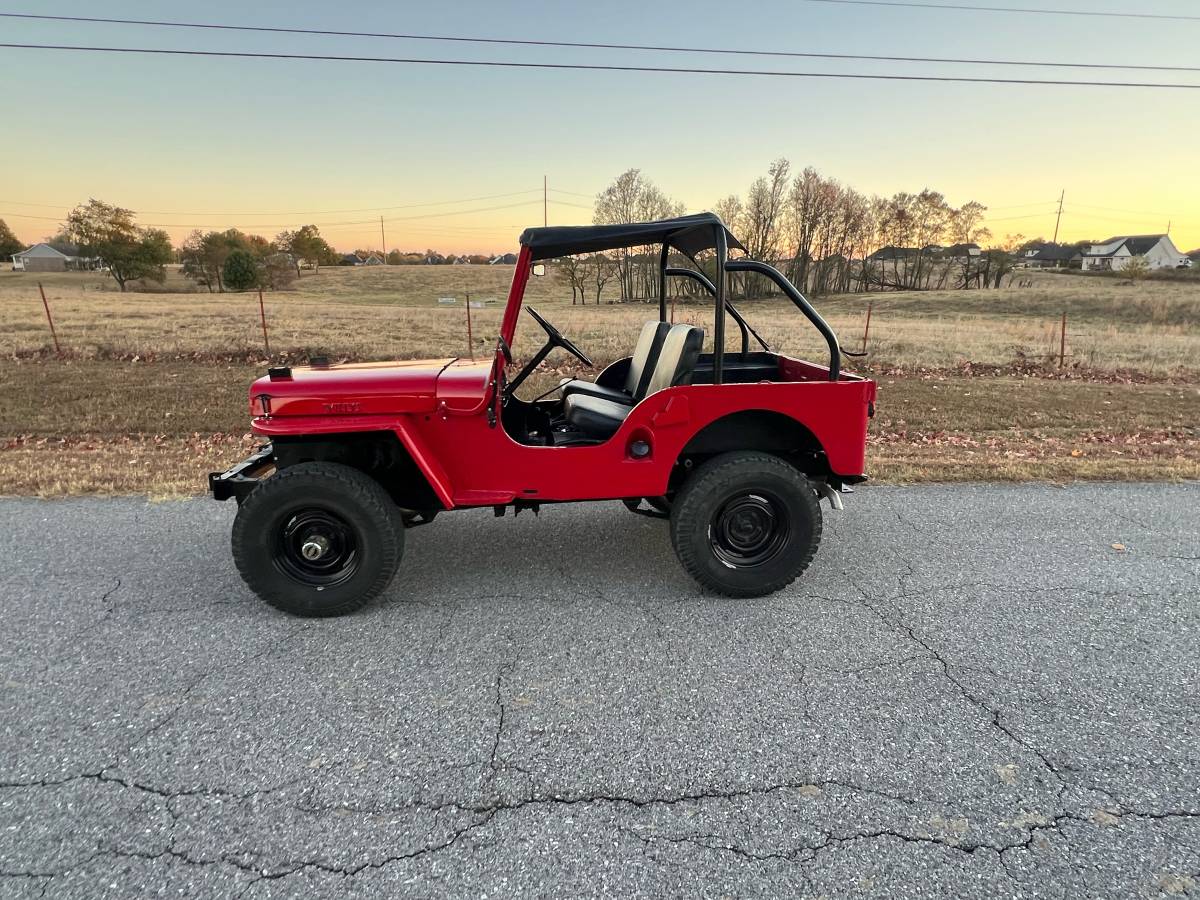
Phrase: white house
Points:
(1115, 253)
(42, 258)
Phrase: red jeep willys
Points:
(735, 448)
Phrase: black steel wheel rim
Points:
(749, 529)
(317, 547)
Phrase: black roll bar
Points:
(722, 247)
(753, 265)
(743, 325)
(662, 282)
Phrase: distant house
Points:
(963, 252)
(373, 260)
(891, 254)
(44, 258)
(1049, 256)
(350, 259)
(504, 259)
(1115, 253)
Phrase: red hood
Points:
(377, 388)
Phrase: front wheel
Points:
(318, 539)
(746, 524)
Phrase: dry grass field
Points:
(393, 312)
(150, 390)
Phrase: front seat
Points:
(600, 418)
(641, 367)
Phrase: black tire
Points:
(745, 524)
(339, 513)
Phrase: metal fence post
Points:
(50, 319)
(470, 338)
(262, 314)
(1062, 342)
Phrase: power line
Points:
(1024, 205)
(372, 222)
(1037, 215)
(158, 23)
(1012, 9)
(229, 54)
(301, 212)
(1143, 218)
(574, 205)
(572, 193)
(1115, 209)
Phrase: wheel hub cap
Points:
(317, 547)
(749, 530)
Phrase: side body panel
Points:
(470, 463)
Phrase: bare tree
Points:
(965, 226)
(575, 271)
(603, 270)
(634, 198)
(762, 218)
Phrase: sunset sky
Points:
(453, 158)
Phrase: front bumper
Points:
(241, 479)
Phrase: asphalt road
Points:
(971, 693)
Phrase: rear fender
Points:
(760, 429)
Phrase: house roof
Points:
(890, 252)
(1052, 253)
(43, 250)
(1136, 244)
(689, 234)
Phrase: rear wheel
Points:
(318, 539)
(745, 524)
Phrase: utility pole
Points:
(383, 240)
(1059, 219)
(545, 204)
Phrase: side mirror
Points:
(539, 269)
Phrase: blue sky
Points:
(215, 142)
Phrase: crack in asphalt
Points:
(898, 625)
(504, 669)
(107, 609)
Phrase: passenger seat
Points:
(600, 418)
(641, 367)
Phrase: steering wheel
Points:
(554, 339)
(557, 339)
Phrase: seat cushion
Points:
(576, 386)
(595, 416)
(677, 360)
(645, 358)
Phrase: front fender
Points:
(401, 426)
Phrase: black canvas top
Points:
(688, 234)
